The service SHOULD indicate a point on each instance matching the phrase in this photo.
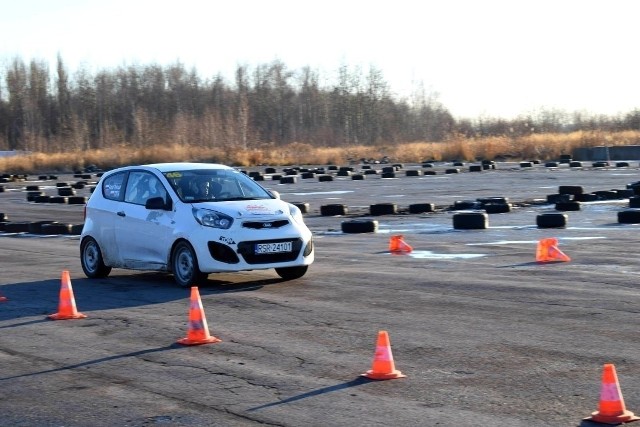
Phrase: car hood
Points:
(248, 208)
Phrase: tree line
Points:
(144, 105)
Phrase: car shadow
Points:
(41, 298)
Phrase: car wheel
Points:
(184, 265)
(91, 259)
(291, 273)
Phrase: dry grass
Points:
(535, 146)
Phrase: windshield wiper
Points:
(228, 199)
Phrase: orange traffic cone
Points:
(397, 245)
(548, 251)
(67, 303)
(611, 409)
(383, 367)
(198, 332)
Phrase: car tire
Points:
(91, 259)
(184, 265)
(292, 273)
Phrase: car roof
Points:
(169, 167)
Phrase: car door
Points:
(101, 216)
(143, 236)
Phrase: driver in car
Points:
(203, 189)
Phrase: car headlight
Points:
(296, 213)
(210, 218)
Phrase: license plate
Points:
(271, 248)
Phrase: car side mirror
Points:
(157, 203)
(275, 194)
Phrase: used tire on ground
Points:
(470, 221)
(17, 227)
(56, 228)
(289, 179)
(558, 198)
(570, 189)
(77, 200)
(383, 209)
(551, 220)
(359, 226)
(304, 207)
(35, 227)
(634, 202)
(66, 191)
(496, 208)
(421, 207)
(568, 206)
(333, 209)
(629, 216)
(325, 178)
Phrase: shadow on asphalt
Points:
(355, 382)
(121, 291)
(96, 361)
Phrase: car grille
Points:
(265, 225)
(246, 249)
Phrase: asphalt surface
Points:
(485, 335)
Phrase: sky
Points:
(480, 58)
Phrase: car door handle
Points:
(121, 213)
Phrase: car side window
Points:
(142, 186)
(112, 186)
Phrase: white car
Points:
(191, 219)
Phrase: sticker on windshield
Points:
(174, 175)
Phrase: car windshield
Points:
(214, 185)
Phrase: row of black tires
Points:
(480, 220)
(574, 164)
(40, 227)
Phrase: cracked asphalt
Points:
(484, 334)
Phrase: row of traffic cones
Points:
(383, 367)
(198, 331)
(547, 250)
(611, 407)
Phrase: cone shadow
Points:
(353, 383)
(96, 361)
